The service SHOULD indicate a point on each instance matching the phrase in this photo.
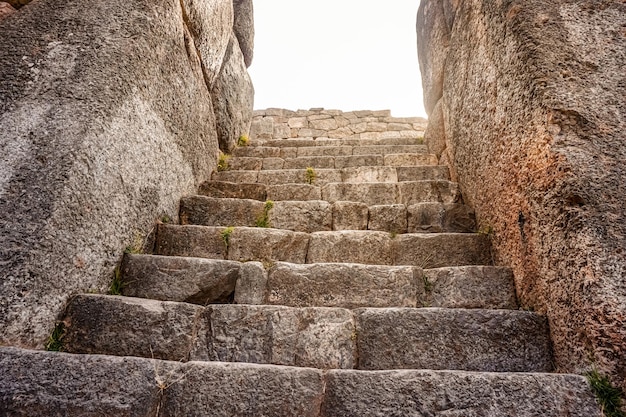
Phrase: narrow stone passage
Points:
(332, 251)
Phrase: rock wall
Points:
(333, 124)
(106, 119)
(527, 103)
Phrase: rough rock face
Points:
(533, 106)
(233, 97)
(5, 9)
(244, 28)
(106, 119)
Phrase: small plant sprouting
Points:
(393, 234)
(165, 219)
(420, 140)
(136, 247)
(55, 341)
(243, 140)
(609, 397)
(222, 163)
(310, 175)
(117, 285)
(486, 229)
(264, 218)
(428, 284)
(226, 235)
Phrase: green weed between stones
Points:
(243, 140)
(264, 218)
(609, 397)
(310, 175)
(136, 247)
(226, 235)
(428, 285)
(117, 285)
(55, 341)
(222, 163)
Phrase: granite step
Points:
(384, 139)
(332, 150)
(318, 337)
(318, 215)
(331, 162)
(366, 247)
(321, 177)
(37, 383)
(208, 281)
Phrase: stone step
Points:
(331, 150)
(385, 139)
(319, 337)
(372, 193)
(317, 215)
(321, 177)
(37, 383)
(365, 247)
(331, 162)
(208, 281)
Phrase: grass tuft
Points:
(55, 341)
(222, 163)
(117, 285)
(264, 218)
(226, 235)
(243, 140)
(609, 397)
(310, 175)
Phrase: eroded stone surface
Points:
(388, 218)
(436, 338)
(366, 247)
(302, 216)
(468, 394)
(341, 285)
(221, 189)
(262, 244)
(176, 278)
(208, 211)
(442, 249)
(191, 241)
(350, 215)
(299, 192)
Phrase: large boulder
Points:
(106, 120)
(244, 28)
(233, 98)
(534, 119)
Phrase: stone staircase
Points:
(319, 276)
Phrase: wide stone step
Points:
(319, 337)
(331, 162)
(321, 177)
(365, 247)
(316, 215)
(208, 281)
(37, 384)
(343, 151)
(385, 139)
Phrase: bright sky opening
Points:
(337, 54)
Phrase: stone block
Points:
(251, 285)
(222, 189)
(468, 287)
(245, 163)
(325, 151)
(124, 326)
(310, 161)
(369, 193)
(191, 241)
(298, 122)
(358, 161)
(306, 337)
(410, 159)
(325, 124)
(369, 174)
(257, 151)
(388, 218)
(281, 131)
(288, 152)
(422, 173)
(235, 389)
(350, 215)
(456, 393)
(442, 249)
(249, 177)
(271, 164)
(298, 192)
(416, 192)
(262, 244)
(302, 216)
(364, 247)
(342, 285)
(460, 339)
(299, 176)
(176, 278)
(208, 211)
(383, 148)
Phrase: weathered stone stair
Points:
(369, 294)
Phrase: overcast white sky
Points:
(337, 54)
